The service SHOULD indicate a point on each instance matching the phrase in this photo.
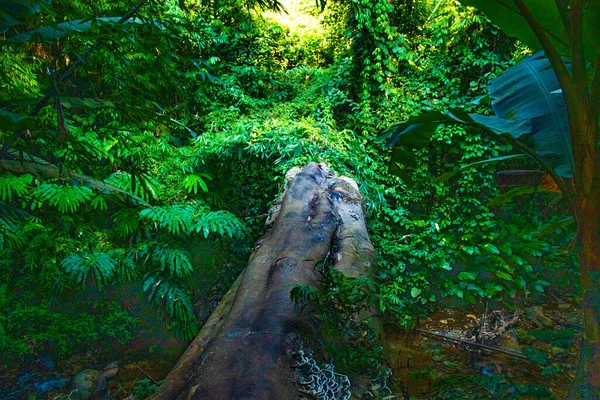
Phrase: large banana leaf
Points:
(528, 106)
(507, 16)
(530, 91)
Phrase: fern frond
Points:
(65, 198)
(174, 298)
(141, 185)
(176, 218)
(126, 221)
(99, 202)
(12, 233)
(100, 264)
(12, 186)
(194, 182)
(221, 222)
(172, 260)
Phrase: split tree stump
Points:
(242, 351)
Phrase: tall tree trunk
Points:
(583, 122)
(244, 349)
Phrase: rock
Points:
(111, 370)
(536, 315)
(88, 384)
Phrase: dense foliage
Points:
(176, 128)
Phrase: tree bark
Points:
(243, 350)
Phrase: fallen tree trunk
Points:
(245, 349)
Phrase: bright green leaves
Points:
(415, 292)
(467, 276)
(504, 275)
(12, 186)
(139, 184)
(194, 182)
(177, 219)
(186, 218)
(221, 222)
(67, 199)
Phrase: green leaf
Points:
(534, 100)
(65, 198)
(536, 356)
(504, 275)
(11, 122)
(508, 196)
(507, 16)
(467, 276)
(414, 132)
(551, 370)
(490, 248)
(415, 292)
(194, 182)
(549, 229)
(53, 33)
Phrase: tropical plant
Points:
(564, 30)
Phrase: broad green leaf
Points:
(524, 92)
(549, 229)
(10, 121)
(536, 356)
(490, 248)
(467, 276)
(507, 16)
(415, 292)
(53, 33)
(416, 131)
(504, 275)
(507, 197)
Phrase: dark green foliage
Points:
(61, 333)
(175, 133)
